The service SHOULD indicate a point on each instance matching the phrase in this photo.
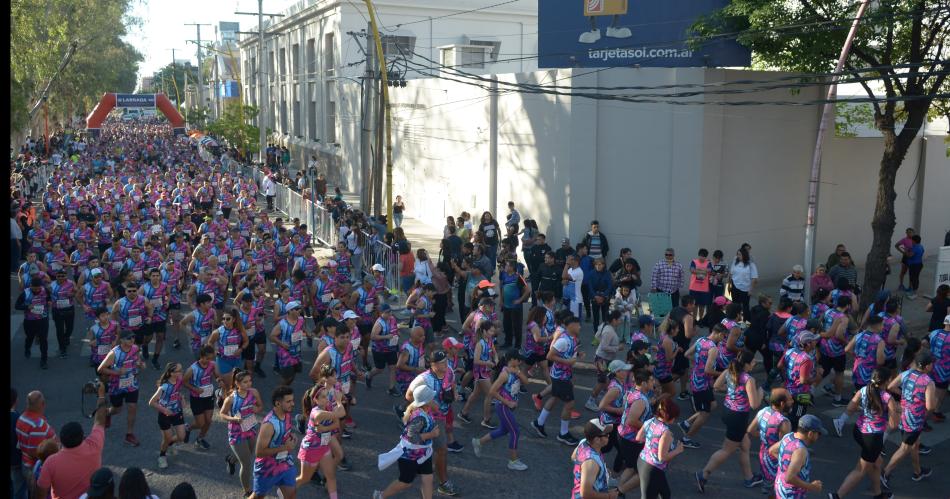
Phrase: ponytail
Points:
(878, 378)
(737, 366)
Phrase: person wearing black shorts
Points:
(123, 385)
(420, 429)
(637, 410)
(563, 354)
(384, 344)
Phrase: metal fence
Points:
(375, 251)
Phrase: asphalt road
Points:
(548, 475)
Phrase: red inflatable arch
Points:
(110, 101)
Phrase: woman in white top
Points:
(422, 268)
(743, 276)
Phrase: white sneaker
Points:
(517, 465)
(591, 405)
(477, 447)
(589, 36)
(619, 32)
(839, 426)
(162, 462)
(377, 494)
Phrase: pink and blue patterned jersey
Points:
(607, 417)
(651, 443)
(737, 398)
(870, 421)
(625, 430)
(279, 463)
(770, 425)
(833, 347)
(940, 349)
(698, 379)
(865, 356)
(913, 399)
(582, 454)
(243, 407)
(787, 446)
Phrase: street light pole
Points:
(386, 112)
(261, 91)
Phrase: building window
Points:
(398, 45)
(273, 66)
(329, 63)
(297, 131)
(283, 117)
(312, 113)
(330, 113)
(295, 60)
(311, 58)
(283, 64)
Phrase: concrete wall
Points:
(653, 174)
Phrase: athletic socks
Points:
(564, 427)
(543, 416)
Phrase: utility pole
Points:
(386, 112)
(811, 220)
(366, 138)
(261, 89)
(175, 85)
(201, 89)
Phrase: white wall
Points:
(654, 175)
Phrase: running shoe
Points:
(130, 440)
(162, 462)
(839, 426)
(885, 480)
(538, 401)
(829, 390)
(155, 364)
(567, 439)
(377, 494)
(464, 418)
(924, 473)
(448, 488)
(700, 482)
(232, 466)
(344, 465)
(202, 444)
(477, 447)
(517, 465)
(839, 402)
(369, 382)
(575, 415)
(591, 405)
(689, 443)
(683, 396)
(752, 482)
(684, 425)
(924, 450)
(63, 355)
(833, 495)
(349, 422)
(885, 494)
(522, 390)
(539, 429)
(399, 412)
(455, 447)
(345, 433)
(487, 424)
(939, 417)
(393, 392)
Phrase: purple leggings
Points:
(506, 424)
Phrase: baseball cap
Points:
(96, 272)
(485, 283)
(332, 263)
(334, 302)
(594, 428)
(421, 396)
(127, 335)
(450, 342)
(379, 268)
(806, 336)
(946, 320)
(385, 307)
(349, 314)
(639, 345)
(720, 301)
(810, 422)
(645, 319)
(438, 356)
(293, 305)
(101, 482)
(618, 365)
(219, 213)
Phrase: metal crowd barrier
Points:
(375, 251)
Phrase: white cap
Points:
(293, 305)
(421, 396)
(349, 314)
(946, 320)
(379, 268)
(798, 268)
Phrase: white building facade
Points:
(314, 59)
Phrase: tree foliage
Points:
(902, 42)
(170, 77)
(40, 34)
(234, 126)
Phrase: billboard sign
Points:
(648, 33)
(134, 100)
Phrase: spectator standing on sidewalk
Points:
(270, 190)
(596, 241)
(514, 217)
(667, 276)
(398, 207)
(743, 276)
(793, 285)
(915, 263)
(845, 268)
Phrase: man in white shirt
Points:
(573, 277)
(270, 190)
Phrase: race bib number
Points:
(135, 321)
(137, 274)
(355, 343)
(206, 391)
(346, 386)
(56, 266)
(37, 309)
(103, 350)
(260, 267)
(370, 307)
(326, 297)
(62, 303)
(248, 423)
(296, 337)
(516, 387)
(116, 265)
(126, 382)
(230, 350)
(179, 255)
(268, 266)
(237, 254)
(281, 456)
(246, 233)
(187, 232)
(393, 340)
(325, 439)
(156, 302)
(106, 229)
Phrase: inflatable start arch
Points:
(111, 101)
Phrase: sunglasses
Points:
(228, 319)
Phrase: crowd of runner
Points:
(137, 245)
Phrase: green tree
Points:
(172, 76)
(905, 41)
(234, 127)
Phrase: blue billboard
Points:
(229, 89)
(134, 100)
(649, 33)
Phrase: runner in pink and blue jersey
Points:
(939, 343)
(659, 448)
(590, 471)
(793, 478)
(504, 394)
(771, 424)
(918, 396)
(274, 461)
(705, 353)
